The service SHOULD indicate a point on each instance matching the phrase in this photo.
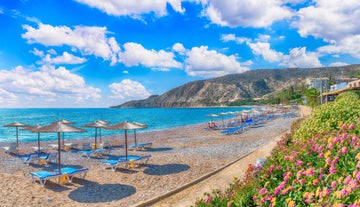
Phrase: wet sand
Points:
(178, 157)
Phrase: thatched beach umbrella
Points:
(104, 123)
(212, 116)
(97, 125)
(16, 125)
(60, 127)
(35, 128)
(64, 121)
(124, 126)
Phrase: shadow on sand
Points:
(95, 193)
(165, 169)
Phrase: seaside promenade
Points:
(178, 157)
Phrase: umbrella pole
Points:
(59, 151)
(17, 140)
(95, 137)
(126, 147)
(63, 139)
(38, 142)
(135, 137)
(100, 134)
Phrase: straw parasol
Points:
(97, 125)
(104, 123)
(35, 128)
(64, 121)
(16, 125)
(212, 116)
(125, 126)
(59, 127)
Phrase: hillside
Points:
(250, 84)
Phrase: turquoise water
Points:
(155, 118)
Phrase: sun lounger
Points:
(11, 149)
(113, 164)
(71, 172)
(140, 146)
(86, 146)
(88, 153)
(31, 158)
(43, 176)
(49, 158)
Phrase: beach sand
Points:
(179, 156)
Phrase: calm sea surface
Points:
(155, 118)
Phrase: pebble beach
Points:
(178, 156)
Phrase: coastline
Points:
(179, 156)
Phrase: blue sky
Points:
(91, 53)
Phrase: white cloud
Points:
(134, 8)
(209, 63)
(263, 49)
(298, 57)
(88, 40)
(179, 48)
(128, 90)
(135, 54)
(349, 45)
(65, 58)
(330, 20)
(6, 98)
(48, 83)
(338, 64)
(233, 37)
(247, 13)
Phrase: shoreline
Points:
(179, 156)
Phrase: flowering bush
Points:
(318, 170)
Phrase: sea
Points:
(155, 118)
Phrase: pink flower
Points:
(299, 163)
(262, 191)
(344, 136)
(229, 203)
(351, 127)
(333, 184)
(208, 199)
(347, 179)
(343, 151)
(332, 169)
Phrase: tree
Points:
(312, 97)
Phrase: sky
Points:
(91, 53)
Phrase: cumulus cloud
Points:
(6, 98)
(233, 37)
(87, 40)
(329, 19)
(349, 45)
(246, 13)
(298, 57)
(128, 90)
(134, 8)
(209, 63)
(338, 64)
(334, 22)
(263, 49)
(135, 54)
(65, 58)
(49, 83)
(179, 48)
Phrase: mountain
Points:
(250, 84)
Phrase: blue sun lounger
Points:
(113, 164)
(43, 176)
(89, 153)
(71, 172)
(140, 146)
